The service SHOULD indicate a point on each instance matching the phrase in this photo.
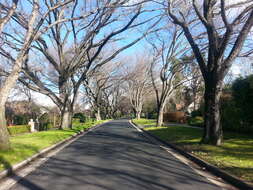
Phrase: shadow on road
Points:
(113, 159)
(22, 181)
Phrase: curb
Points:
(14, 168)
(213, 169)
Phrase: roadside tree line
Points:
(217, 32)
(53, 46)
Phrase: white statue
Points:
(32, 124)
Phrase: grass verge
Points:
(145, 122)
(24, 146)
(235, 156)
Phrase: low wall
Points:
(177, 116)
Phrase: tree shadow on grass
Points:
(15, 152)
(236, 147)
(6, 165)
(168, 134)
(246, 173)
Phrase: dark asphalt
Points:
(113, 157)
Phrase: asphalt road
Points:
(114, 157)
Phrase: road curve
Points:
(114, 156)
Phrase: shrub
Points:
(152, 115)
(80, 116)
(76, 120)
(20, 119)
(232, 117)
(45, 126)
(196, 113)
(45, 122)
(44, 118)
(229, 115)
(90, 119)
(196, 121)
(237, 106)
(18, 129)
(242, 91)
(50, 126)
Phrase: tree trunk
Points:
(98, 115)
(194, 100)
(213, 129)
(71, 113)
(160, 116)
(139, 110)
(5, 90)
(66, 106)
(138, 115)
(4, 134)
(66, 119)
(54, 120)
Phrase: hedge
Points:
(18, 129)
(176, 116)
(81, 117)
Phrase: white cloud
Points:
(42, 99)
(236, 70)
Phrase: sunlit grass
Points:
(235, 155)
(144, 122)
(26, 145)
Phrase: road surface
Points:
(114, 157)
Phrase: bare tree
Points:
(31, 21)
(169, 68)
(138, 83)
(4, 135)
(225, 36)
(73, 65)
(7, 12)
(112, 97)
(11, 80)
(94, 89)
(96, 83)
(193, 90)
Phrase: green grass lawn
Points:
(26, 145)
(145, 122)
(235, 155)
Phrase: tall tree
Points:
(79, 44)
(225, 36)
(32, 24)
(96, 83)
(112, 97)
(138, 83)
(4, 135)
(193, 90)
(167, 64)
